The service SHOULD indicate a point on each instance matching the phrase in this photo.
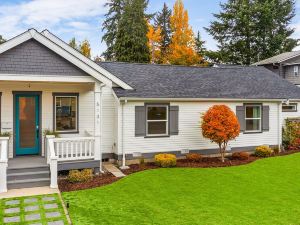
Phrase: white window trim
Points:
(166, 120)
(290, 104)
(76, 115)
(259, 118)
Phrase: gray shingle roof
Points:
(162, 81)
(278, 58)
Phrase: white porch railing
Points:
(68, 149)
(3, 163)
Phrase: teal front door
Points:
(27, 124)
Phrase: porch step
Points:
(28, 177)
(28, 183)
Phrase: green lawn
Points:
(264, 192)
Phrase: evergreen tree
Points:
(182, 47)
(110, 25)
(73, 43)
(131, 40)
(162, 22)
(252, 30)
(2, 40)
(200, 49)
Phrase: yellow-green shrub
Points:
(80, 176)
(165, 160)
(263, 151)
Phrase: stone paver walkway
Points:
(113, 170)
(33, 210)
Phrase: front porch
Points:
(28, 158)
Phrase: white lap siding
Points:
(86, 105)
(190, 136)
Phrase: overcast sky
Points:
(83, 18)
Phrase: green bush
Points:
(263, 151)
(76, 176)
(165, 160)
(50, 132)
(5, 134)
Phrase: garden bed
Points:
(206, 162)
(97, 181)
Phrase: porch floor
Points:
(27, 162)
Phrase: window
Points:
(66, 113)
(292, 107)
(253, 118)
(296, 73)
(157, 120)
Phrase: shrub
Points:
(263, 151)
(80, 176)
(194, 157)
(290, 134)
(240, 155)
(165, 160)
(50, 132)
(5, 134)
(276, 150)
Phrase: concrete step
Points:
(28, 170)
(28, 175)
(28, 183)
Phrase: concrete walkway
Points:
(28, 192)
(113, 170)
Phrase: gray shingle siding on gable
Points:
(33, 58)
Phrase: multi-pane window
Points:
(157, 120)
(253, 118)
(65, 118)
(296, 70)
(292, 107)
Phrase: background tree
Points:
(200, 50)
(162, 21)
(73, 43)
(154, 37)
(131, 40)
(2, 40)
(252, 30)
(85, 48)
(182, 47)
(110, 26)
(220, 125)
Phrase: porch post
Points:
(3, 163)
(98, 123)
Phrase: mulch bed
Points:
(99, 180)
(206, 162)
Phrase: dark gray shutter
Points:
(174, 120)
(265, 117)
(240, 113)
(140, 121)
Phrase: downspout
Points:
(123, 167)
(101, 126)
(279, 126)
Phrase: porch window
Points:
(253, 118)
(66, 113)
(157, 120)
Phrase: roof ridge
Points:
(169, 65)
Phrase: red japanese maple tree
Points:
(220, 125)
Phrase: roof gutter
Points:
(204, 99)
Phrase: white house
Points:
(121, 111)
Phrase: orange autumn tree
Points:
(182, 50)
(154, 39)
(220, 125)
